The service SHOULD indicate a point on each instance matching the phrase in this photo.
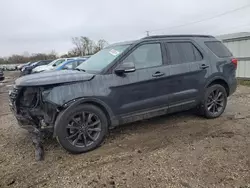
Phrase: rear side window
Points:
(218, 49)
(183, 52)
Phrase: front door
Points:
(143, 89)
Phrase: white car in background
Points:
(51, 65)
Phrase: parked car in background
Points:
(51, 65)
(28, 68)
(1, 75)
(127, 82)
(8, 67)
(70, 64)
(19, 67)
(86, 56)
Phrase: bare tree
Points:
(78, 45)
(87, 45)
(100, 45)
(73, 53)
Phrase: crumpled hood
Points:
(53, 77)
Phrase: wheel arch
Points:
(96, 102)
(221, 81)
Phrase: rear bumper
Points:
(233, 86)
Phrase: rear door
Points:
(187, 71)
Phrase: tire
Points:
(91, 136)
(208, 106)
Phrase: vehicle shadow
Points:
(158, 130)
(143, 126)
(164, 121)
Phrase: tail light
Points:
(235, 62)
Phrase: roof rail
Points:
(167, 36)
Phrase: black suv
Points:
(123, 83)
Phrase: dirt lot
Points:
(180, 150)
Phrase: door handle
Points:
(204, 66)
(158, 74)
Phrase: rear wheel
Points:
(215, 101)
(82, 129)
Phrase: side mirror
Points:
(54, 65)
(125, 67)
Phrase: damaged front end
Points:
(33, 113)
(31, 110)
(37, 99)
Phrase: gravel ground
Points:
(180, 150)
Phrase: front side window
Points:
(183, 52)
(145, 56)
(44, 63)
(58, 62)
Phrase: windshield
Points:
(101, 59)
(56, 62)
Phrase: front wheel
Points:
(214, 102)
(82, 129)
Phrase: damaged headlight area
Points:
(30, 108)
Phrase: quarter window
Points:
(218, 49)
(183, 52)
(146, 55)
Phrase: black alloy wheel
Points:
(82, 128)
(214, 102)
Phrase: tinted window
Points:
(44, 63)
(147, 55)
(58, 62)
(183, 52)
(218, 49)
(39, 63)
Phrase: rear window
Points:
(218, 49)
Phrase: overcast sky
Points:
(44, 25)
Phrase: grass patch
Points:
(244, 82)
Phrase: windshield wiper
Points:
(80, 69)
